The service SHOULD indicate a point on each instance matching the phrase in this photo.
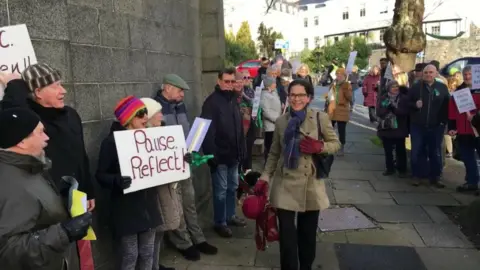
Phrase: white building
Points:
(331, 20)
(283, 18)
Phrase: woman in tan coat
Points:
(291, 171)
(168, 199)
(339, 100)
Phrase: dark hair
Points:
(263, 59)
(229, 71)
(383, 59)
(436, 64)
(307, 85)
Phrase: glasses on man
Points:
(141, 113)
(229, 81)
(299, 96)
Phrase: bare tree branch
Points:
(438, 4)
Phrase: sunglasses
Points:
(246, 78)
(141, 113)
(229, 81)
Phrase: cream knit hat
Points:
(152, 106)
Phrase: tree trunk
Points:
(405, 37)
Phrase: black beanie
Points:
(15, 125)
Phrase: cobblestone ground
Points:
(412, 233)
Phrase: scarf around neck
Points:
(393, 98)
(292, 140)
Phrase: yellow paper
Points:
(79, 207)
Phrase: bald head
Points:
(429, 73)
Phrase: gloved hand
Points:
(188, 157)
(261, 188)
(212, 163)
(311, 146)
(76, 228)
(123, 182)
(64, 188)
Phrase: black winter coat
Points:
(435, 99)
(66, 147)
(131, 213)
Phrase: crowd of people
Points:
(41, 142)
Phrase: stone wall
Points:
(107, 49)
(445, 51)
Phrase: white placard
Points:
(351, 62)
(152, 156)
(464, 100)
(388, 72)
(475, 77)
(256, 101)
(197, 134)
(16, 50)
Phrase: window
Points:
(363, 11)
(382, 32)
(230, 25)
(304, 8)
(305, 43)
(251, 64)
(288, 8)
(315, 20)
(305, 22)
(435, 30)
(347, 34)
(385, 8)
(281, 7)
(345, 14)
(459, 64)
(335, 39)
(317, 41)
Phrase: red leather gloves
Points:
(261, 188)
(311, 146)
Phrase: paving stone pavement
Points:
(413, 233)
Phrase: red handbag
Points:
(266, 227)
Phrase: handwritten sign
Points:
(464, 100)
(153, 156)
(351, 61)
(256, 101)
(197, 134)
(475, 77)
(16, 50)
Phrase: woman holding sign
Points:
(134, 216)
(298, 195)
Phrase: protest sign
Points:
(256, 101)
(464, 100)
(351, 61)
(16, 50)
(197, 134)
(388, 72)
(153, 156)
(475, 77)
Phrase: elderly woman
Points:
(392, 112)
(271, 110)
(339, 98)
(168, 200)
(296, 192)
(369, 91)
(303, 73)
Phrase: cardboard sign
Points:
(475, 77)
(256, 101)
(351, 62)
(197, 134)
(16, 50)
(153, 156)
(464, 100)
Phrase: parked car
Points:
(459, 63)
(251, 65)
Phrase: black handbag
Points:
(323, 162)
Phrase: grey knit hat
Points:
(40, 75)
(268, 81)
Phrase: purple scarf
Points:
(292, 140)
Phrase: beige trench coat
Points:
(170, 207)
(298, 189)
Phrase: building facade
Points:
(283, 17)
(325, 21)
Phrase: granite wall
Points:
(107, 49)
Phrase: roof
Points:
(307, 2)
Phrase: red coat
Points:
(458, 121)
(369, 90)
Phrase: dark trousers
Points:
(297, 244)
(426, 143)
(267, 142)
(250, 140)
(342, 130)
(398, 145)
(372, 114)
(467, 145)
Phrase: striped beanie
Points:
(127, 108)
(40, 75)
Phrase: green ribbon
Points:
(259, 120)
(198, 159)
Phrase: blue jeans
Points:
(467, 145)
(225, 184)
(426, 152)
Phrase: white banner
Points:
(152, 156)
(351, 62)
(475, 77)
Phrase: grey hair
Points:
(466, 69)
(392, 84)
(273, 68)
(268, 81)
